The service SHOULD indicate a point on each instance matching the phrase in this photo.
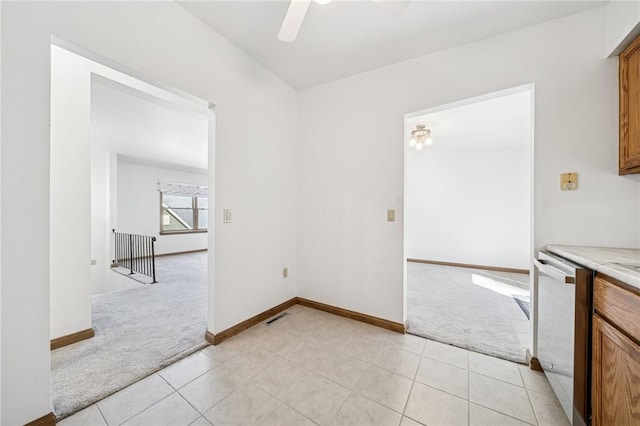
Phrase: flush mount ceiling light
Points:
(420, 137)
(298, 8)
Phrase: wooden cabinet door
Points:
(616, 377)
(629, 85)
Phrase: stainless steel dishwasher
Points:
(564, 295)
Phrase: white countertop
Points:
(603, 259)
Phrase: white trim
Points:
(136, 79)
(469, 101)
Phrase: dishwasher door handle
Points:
(554, 272)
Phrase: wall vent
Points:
(272, 320)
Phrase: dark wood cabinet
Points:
(615, 355)
(629, 86)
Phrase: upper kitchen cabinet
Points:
(630, 109)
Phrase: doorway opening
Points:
(127, 153)
(468, 223)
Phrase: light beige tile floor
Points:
(313, 368)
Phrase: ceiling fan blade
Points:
(394, 7)
(293, 20)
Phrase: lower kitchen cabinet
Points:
(616, 355)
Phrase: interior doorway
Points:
(126, 153)
(468, 222)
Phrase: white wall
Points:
(257, 181)
(70, 192)
(1, 329)
(139, 204)
(104, 218)
(351, 155)
(476, 212)
(622, 19)
(100, 220)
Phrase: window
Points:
(183, 213)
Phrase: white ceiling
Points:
(349, 37)
(496, 123)
(140, 126)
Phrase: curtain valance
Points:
(183, 189)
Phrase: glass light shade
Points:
(420, 137)
(323, 1)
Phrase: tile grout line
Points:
(533, 410)
(104, 419)
(333, 382)
(353, 390)
(218, 403)
(406, 403)
(144, 409)
(177, 391)
(201, 417)
(190, 404)
(468, 392)
(192, 380)
(328, 378)
(500, 412)
(341, 406)
(371, 399)
(281, 401)
(442, 390)
(535, 415)
(495, 378)
(293, 409)
(152, 405)
(496, 411)
(503, 414)
(282, 358)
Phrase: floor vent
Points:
(272, 320)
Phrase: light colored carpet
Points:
(468, 308)
(138, 331)
(135, 276)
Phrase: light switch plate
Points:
(228, 216)
(569, 181)
(391, 215)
